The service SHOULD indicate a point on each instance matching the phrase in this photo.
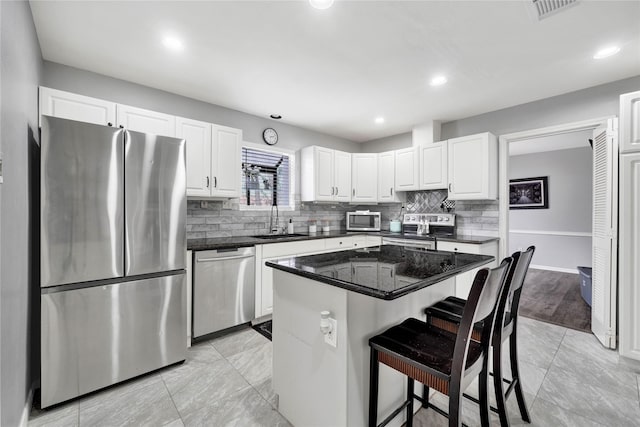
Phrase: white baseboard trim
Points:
(550, 268)
(554, 233)
(24, 419)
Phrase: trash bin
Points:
(585, 284)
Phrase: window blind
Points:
(265, 178)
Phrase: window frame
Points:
(292, 177)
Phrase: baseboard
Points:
(558, 269)
(24, 419)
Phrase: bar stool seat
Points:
(424, 344)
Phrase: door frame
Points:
(503, 166)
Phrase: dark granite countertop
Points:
(457, 238)
(244, 241)
(386, 272)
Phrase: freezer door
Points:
(81, 202)
(98, 336)
(156, 203)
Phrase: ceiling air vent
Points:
(546, 8)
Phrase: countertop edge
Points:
(246, 241)
(388, 296)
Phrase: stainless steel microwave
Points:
(363, 221)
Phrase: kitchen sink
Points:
(277, 236)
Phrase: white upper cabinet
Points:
(198, 137)
(325, 175)
(364, 177)
(71, 106)
(473, 167)
(434, 166)
(387, 177)
(630, 122)
(407, 171)
(146, 121)
(342, 175)
(226, 167)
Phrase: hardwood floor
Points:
(554, 297)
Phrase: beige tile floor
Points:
(568, 378)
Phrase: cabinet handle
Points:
(109, 124)
(391, 273)
(354, 192)
(215, 182)
(207, 182)
(450, 187)
(121, 127)
(391, 191)
(337, 191)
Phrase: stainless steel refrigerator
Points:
(113, 244)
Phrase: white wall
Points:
(20, 73)
(570, 205)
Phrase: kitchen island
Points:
(365, 291)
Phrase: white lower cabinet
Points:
(465, 280)
(272, 251)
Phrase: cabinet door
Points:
(433, 166)
(386, 176)
(146, 121)
(323, 170)
(70, 106)
(342, 176)
(629, 280)
(364, 273)
(630, 122)
(266, 302)
(198, 137)
(225, 161)
(364, 177)
(407, 171)
(473, 167)
(343, 272)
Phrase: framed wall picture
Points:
(529, 193)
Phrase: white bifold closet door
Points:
(605, 223)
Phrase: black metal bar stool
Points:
(447, 315)
(440, 359)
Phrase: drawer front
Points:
(274, 250)
(339, 243)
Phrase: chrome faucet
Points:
(274, 225)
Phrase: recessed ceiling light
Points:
(379, 120)
(172, 43)
(438, 80)
(606, 52)
(321, 4)
(276, 116)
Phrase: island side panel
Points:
(368, 317)
(309, 376)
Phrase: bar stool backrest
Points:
(486, 290)
(520, 270)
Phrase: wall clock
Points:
(270, 136)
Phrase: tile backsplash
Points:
(210, 220)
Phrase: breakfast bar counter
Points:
(365, 291)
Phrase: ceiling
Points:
(336, 70)
(563, 141)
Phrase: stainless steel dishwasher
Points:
(223, 289)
